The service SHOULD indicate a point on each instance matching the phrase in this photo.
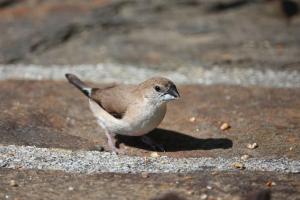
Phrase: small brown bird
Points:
(131, 110)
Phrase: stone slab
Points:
(35, 184)
(55, 114)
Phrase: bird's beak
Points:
(171, 94)
(173, 91)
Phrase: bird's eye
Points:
(157, 88)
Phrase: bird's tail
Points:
(74, 80)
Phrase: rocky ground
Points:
(35, 184)
(235, 62)
(48, 115)
(166, 34)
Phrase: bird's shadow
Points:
(174, 141)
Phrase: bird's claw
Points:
(118, 151)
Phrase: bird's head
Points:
(159, 90)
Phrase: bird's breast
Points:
(143, 119)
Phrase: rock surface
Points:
(164, 34)
(227, 186)
(55, 114)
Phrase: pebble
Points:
(252, 146)
(145, 174)
(192, 119)
(145, 160)
(203, 196)
(225, 126)
(270, 183)
(239, 165)
(190, 192)
(245, 157)
(214, 173)
(13, 183)
(70, 188)
(154, 155)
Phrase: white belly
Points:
(138, 120)
(145, 121)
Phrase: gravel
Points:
(28, 157)
(132, 74)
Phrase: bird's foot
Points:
(112, 144)
(153, 144)
(117, 151)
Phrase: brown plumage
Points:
(109, 99)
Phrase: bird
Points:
(130, 110)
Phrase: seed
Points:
(13, 183)
(224, 126)
(239, 165)
(270, 183)
(203, 196)
(245, 157)
(192, 119)
(154, 155)
(252, 146)
(70, 188)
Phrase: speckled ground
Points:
(245, 58)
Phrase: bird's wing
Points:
(114, 99)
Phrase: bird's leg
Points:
(154, 145)
(110, 138)
(112, 142)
